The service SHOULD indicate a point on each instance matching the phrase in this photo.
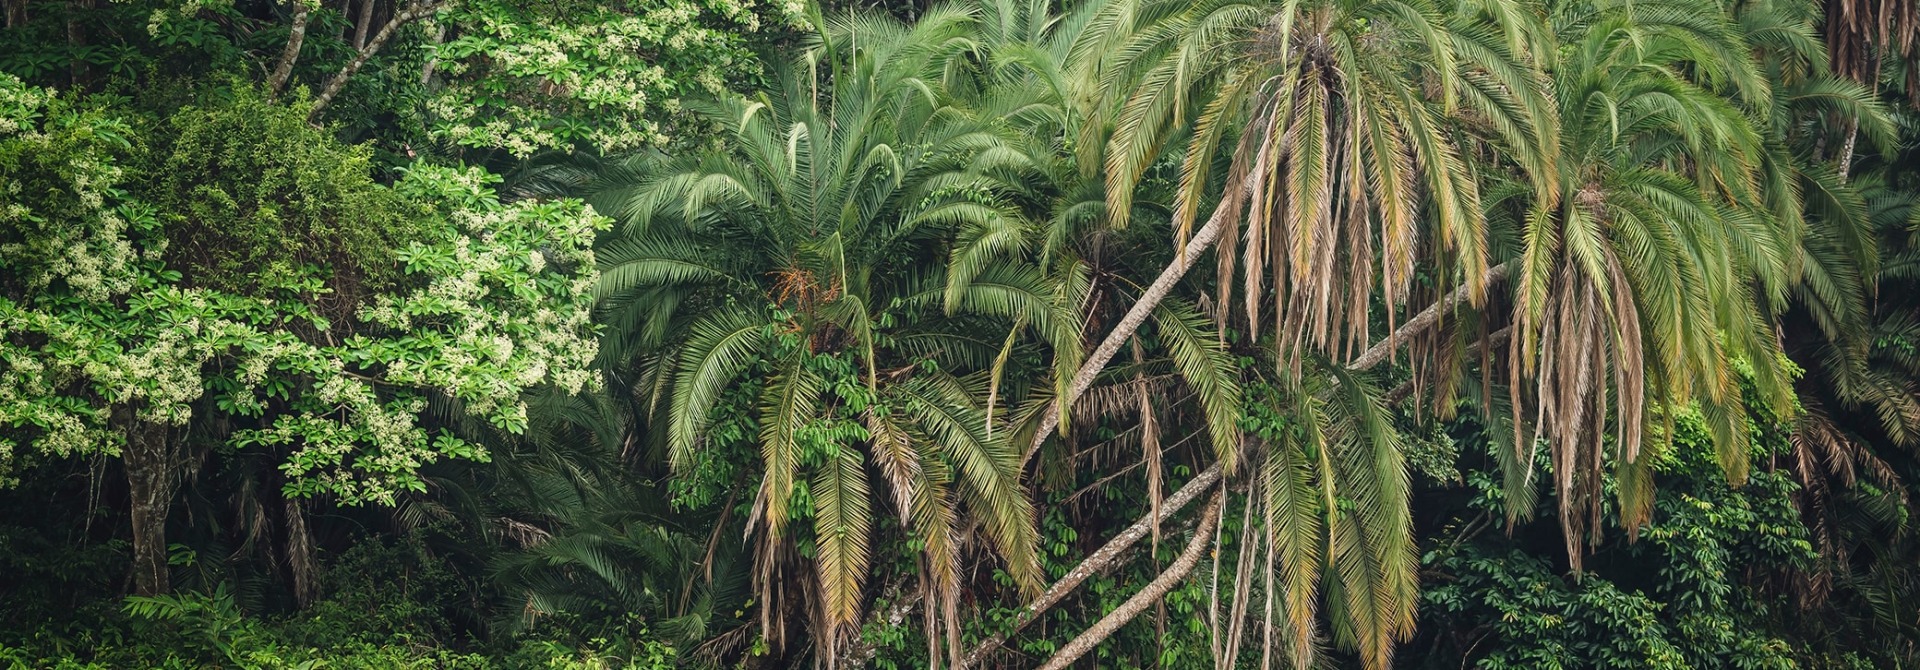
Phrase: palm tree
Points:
(1355, 122)
(1328, 521)
(1037, 71)
(1243, 69)
(1845, 216)
(578, 533)
(1344, 113)
(846, 241)
(1654, 265)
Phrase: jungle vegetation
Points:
(960, 334)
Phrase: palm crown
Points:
(811, 247)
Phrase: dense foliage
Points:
(988, 333)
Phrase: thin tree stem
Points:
(283, 70)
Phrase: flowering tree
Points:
(108, 348)
(524, 78)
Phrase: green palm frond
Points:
(628, 264)
(718, 347)
(787, 404)
(1209, 370)
(1334, 494)
(842, 529)
(986, 470)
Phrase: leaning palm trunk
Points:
(1118, 547)
(1096, 563)
(1136, 316)
(1326, 149)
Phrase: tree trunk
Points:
(1154, 592)
(283, 70)
(1112, 551)
(361, 24)
(16, 13)
(149, 459)
(1424, 320)
(77, 10)
(433, 62)
(339, 80)
(1846, 150)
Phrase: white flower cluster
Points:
(186, 9)
(351, 443)
(87, 248)
(29, 396)
(93, 365)
(20, 104)
(493, 318)
(503, 304)
(160, 375)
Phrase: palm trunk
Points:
(300, 556)
(1846, 150)
(1142, 308)
(1424, 320)
(150, 483)
(1153, 593)
(1112, 551)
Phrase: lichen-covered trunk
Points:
(150, 484)
(296, 35)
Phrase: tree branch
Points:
(862, 651)
(1424, 320)
(1492, 341)
(283, 70)
(1105, 557)
(1153, 593)
(339, 81)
